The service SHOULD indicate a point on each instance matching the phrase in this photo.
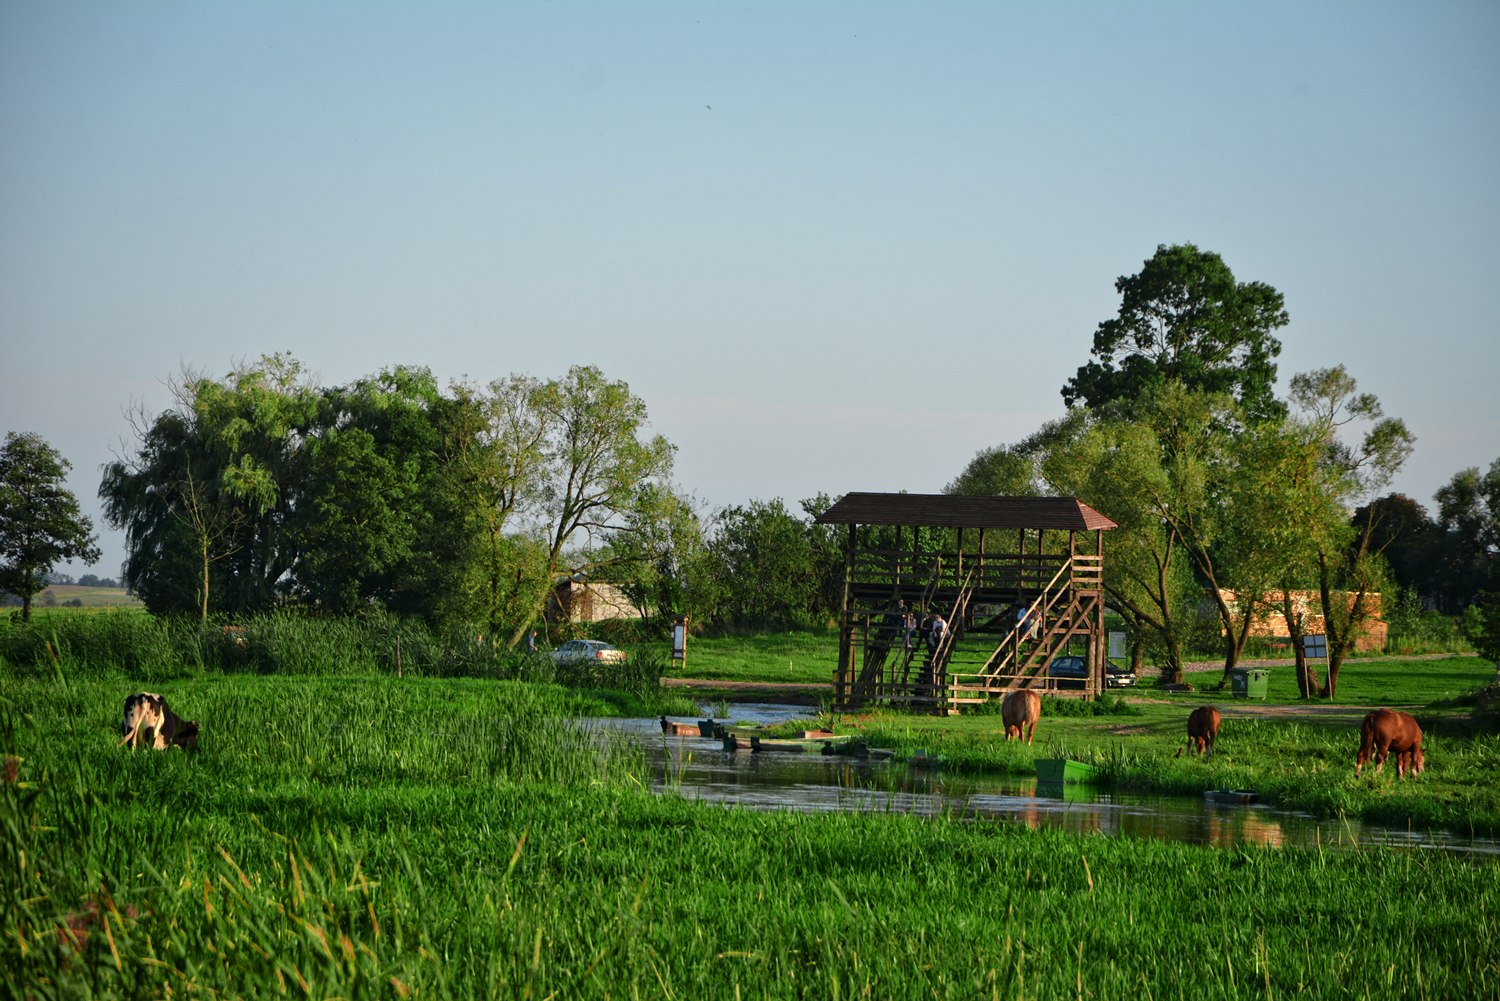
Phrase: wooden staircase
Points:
(1020, 659)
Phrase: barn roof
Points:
(959, 511)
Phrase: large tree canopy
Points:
(206, 494)
(1185, 319)
(458, 507)
(40, 524)
(1469, 513)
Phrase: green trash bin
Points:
(1249, 682)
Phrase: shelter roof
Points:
(964, 511)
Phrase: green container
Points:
(1056, 771)
(1249, 682)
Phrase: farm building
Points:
(1269, 622)
(575, 599)
(1018, 580)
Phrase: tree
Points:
(1117, 466)
(1469, 516)
(826, 552)
(1414, 547)
(1185, 319)
(1003, 471)
(597, 469)
(206, 494)
(494, 446)
(370, 487)
(1274, 514)
(649, 560)
(1481, 626)
(1350, 567)
(40, 522)
(763, 570)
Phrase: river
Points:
(699, 768)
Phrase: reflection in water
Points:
(698, 768)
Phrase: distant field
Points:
(58, 596)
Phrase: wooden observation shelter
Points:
(1019, 581)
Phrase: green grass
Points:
(368, 837)
(1383, 680)
(807, 657)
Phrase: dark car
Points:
(1069, 672)
(1117, 675)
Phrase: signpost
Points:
(679, 641)
(1116, 646)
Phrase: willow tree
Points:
(1275, 517)
(1361, 451)
(494, 445)
(599, 465)
(1117, 466)
(205, 492)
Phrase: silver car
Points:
(574, 651)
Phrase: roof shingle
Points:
(959, 511)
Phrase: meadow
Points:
(77, 596)
(446, 822)
(374, 837)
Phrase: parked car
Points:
(1118, 675)
(1069, 672)
(576, 650)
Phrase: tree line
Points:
(1225, 492)
(464, 505)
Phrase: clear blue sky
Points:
(833, 246)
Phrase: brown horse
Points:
(1386, 730)
(1020, 710)
(1202, 731)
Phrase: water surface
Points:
(699, 768)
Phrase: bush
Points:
(1481, 625)
(1105, 705)
(1414, 629)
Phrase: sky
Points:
(833, 246)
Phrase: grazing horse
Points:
(1020, 710)
(1202, 731)
(149, 721)
(1386, 730)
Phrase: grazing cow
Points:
(149, 721)
(1203, 730)
(1386, 730)
(1020, 710)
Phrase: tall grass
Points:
(364, 838)
(286, 643)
